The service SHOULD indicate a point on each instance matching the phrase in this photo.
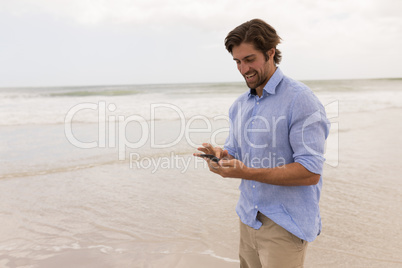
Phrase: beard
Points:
(260, 81)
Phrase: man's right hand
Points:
(217, 151)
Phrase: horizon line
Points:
(187, 83)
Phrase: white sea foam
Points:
(51, 105)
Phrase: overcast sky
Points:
(113, 42)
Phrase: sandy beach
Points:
(62, 206)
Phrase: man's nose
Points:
(244, 68)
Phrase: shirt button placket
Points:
(253, 123)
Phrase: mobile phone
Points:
(210, 156)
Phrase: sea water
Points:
(104, 176)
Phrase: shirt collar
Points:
(273, 82)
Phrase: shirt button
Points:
(258, 103)
(256, 207)
(253, 186)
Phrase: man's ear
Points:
(271, 53)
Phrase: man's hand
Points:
(227, 166)
(217, 151)
(231, 169)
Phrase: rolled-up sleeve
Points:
(309, 128)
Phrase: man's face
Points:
(253, 65)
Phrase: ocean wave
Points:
(94, 109)
(85, 93)
(122, 90)
(51, 105)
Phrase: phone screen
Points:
(211, 156)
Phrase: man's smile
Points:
(248, 77)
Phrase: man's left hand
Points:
(229, 168)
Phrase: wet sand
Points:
(111, 215)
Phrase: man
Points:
(275, 145)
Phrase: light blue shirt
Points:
(287, 124)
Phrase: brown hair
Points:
(257, 32)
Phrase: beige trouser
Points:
(270, 246)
